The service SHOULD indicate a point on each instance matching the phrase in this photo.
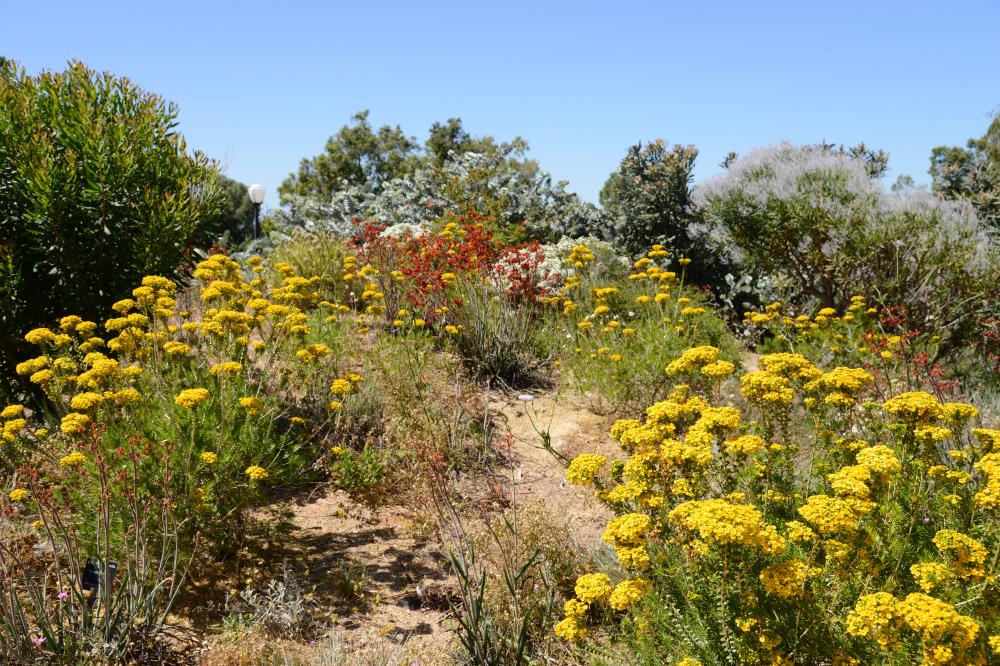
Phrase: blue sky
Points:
(262, 85)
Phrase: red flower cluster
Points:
(466, 246)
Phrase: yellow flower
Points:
(73, 460)
(799, 532)
(879, 460)
(191, 398)
(209, 458)
(784, 579)
(252, 404)
(128, 396)
(874, 615)
(930, 575)
(174, 348)
(766, 388)
(592, 588)
(340, 387)
(12, 411)
(19, 495)
(718, 370)
(256, 473)
(313, 352)
(584, 468)
(40, 336)
(829, 514)
(745, 445)
(226, 368)
(723, 522)
(693, 359)
(914, 407)
(74, 423)
(964, 553)
(628, 592)
(86, 401)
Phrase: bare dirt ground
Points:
(375, 575)
(538, 475)
(380, 577)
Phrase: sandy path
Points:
(538, 475)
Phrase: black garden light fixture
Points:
(256, 193)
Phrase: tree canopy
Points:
(358, 155)
(971, 173)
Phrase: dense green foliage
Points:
(97, 189)
(817, 224)
(234, 222)
(971, 173)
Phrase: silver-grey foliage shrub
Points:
(823, 229)
(544, 206)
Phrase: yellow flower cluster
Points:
(914, 407)
(573, 626)
(74, 459)
(256, 473)
(629, 592)
(584, 468)
(627, 535)
(989, 496)
(226, 368)
(693, 359)
(766, 389)
(785, 579)
(831, 515)
(593, 588)
(930, 575)
(191, 398)
(945, 634)
(724, 522)
(252, 404)
(966, 555)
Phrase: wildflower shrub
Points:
(616, 336)
(871, 539)
(883, 342)
(816, 222)
(189, 402)
(97, 189)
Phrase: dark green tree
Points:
(97, 189)
(650, 197)
(971, 173)
(449, 140)
(235, 220)
(356, 155)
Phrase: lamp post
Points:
(256, 192)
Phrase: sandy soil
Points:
(379, 576)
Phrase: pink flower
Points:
(39, 640)
(62, 595)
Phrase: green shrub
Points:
(97, 189)
(820, 225)
(497, 339)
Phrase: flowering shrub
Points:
(192, 402)
(882, 341)
(618, 335)
(819, 223)
(738, 541)
(62, 242)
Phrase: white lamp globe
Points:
(256, 192)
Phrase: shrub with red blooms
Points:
(418, 269)
(518, 266)
(920, 371)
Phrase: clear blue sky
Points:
(262, 85)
